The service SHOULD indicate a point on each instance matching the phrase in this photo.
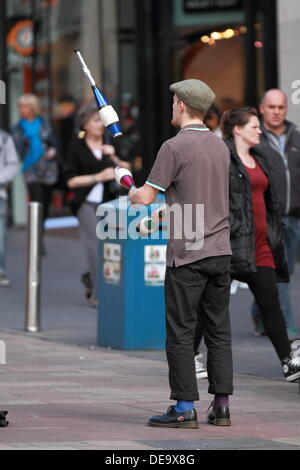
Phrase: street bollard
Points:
(2, 352)
(33, 268)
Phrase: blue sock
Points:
(183, 405)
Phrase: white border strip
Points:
(61, 222)
(156, 186)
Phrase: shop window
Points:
(221, 64)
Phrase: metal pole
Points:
(33, 270)
(251, 81)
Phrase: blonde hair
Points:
(31, 100)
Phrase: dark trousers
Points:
(199, 290)
(263, 286)
(41, 193)
(87, 229)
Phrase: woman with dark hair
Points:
(89, 170)
(256, 231)
(212, 120)
(256, 236)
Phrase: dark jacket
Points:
(44, 171)
(81, 161)
(242, 231)
(285, 168)
(22, 144)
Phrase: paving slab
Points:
(105, 400)
(65, 392)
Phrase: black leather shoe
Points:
(218, 416)
(86, 281)
(3, 420)
(175, 419)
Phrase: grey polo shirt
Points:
(192, 169)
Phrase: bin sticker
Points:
(155, 274)
(155, 253)
(112, 263)
(112, 272)
(112, 252)
(155, 265)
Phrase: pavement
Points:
(63, 391)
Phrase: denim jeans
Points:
(3, 224)
(292, 243)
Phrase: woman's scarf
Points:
(32, 131)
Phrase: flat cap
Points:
(194, 93)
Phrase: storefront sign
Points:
(191, 6)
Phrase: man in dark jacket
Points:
(280, 143)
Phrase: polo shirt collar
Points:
(194, 127)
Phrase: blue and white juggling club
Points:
(107, 113)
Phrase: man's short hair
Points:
(273, 89)
(195, 113)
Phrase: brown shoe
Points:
(3, 420)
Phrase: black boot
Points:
(86, 281)
(218, 416)
(3, 420)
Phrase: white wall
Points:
(288, 14)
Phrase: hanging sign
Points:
(20, 37)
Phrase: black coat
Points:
(242, 231)
(81, 161)
(285, 169)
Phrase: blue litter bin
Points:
(131, 311)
